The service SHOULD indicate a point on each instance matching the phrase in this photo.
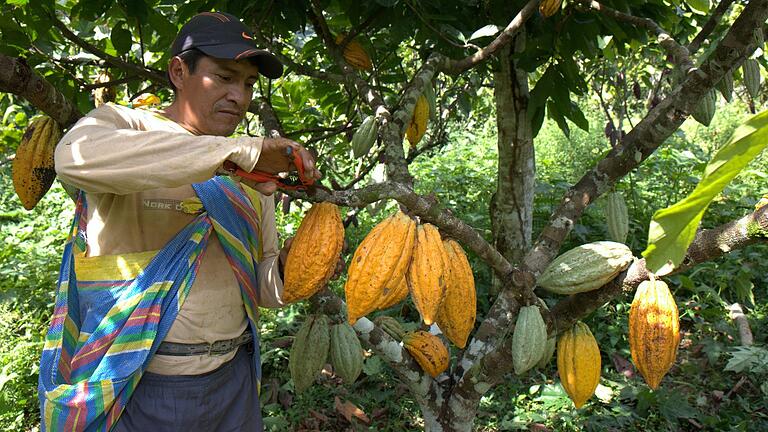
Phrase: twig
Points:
(112, 83)
(709, 26)
(455, 67)
(737, 315)
(679, 53)
(151, 74)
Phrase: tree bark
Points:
(512, 204)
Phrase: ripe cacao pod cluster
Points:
(314, 253)
(33, 172)
(586, 267)
(654, 330)
(355, 54)
(398, 257)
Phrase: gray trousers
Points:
(224, 400)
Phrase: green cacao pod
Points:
(616, 217)
(725, 86)
(549, 349)
(346, 352)
(759, 37)
(365, 137)
(32, 171)
(578, 363)
(429, 93)
(309, 351)
(529, 340)
(586, 267)
(705, 110)
(751, 72)
(391, 326)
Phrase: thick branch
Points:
(18, 78)
(456, 67)
(648, 135)
(708, 245)
(678, 52)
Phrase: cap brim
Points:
(269, 65)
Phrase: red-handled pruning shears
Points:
(294, 181)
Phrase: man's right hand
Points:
(275, 158)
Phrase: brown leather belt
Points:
(216, 348)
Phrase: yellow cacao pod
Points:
(103, 95)
(428, 350)
(355, 54)
(426, 274)
(395, 292)
(654, 331)
(549, 7)
(379, 265)
(578, 363)
(314, 252)
(418, 126)
(145, 99)
(32, 171)
(456, 315)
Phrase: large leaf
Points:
(673, 229)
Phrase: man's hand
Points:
(275, 158)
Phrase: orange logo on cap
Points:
(246, 36)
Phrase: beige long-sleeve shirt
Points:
(136, 167)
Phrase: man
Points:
(153, 327)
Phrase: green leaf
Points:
(699, 5)
(554, 113)
(488, 30)
(673, 229)
(121, 38)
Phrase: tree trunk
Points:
(512, 204)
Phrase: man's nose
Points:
(238, 94)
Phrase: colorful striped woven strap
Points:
(106, 326)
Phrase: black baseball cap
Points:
(222, 35)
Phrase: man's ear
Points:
(177, 71)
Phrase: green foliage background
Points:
(701, 389)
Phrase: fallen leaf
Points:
(320, 416)
(349, 410)
(537, 427)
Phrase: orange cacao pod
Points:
(379, 265)
(426, 274)
(456, 315)
(549, 7)
(314, 252)
(428, 350)
(578, 363)
(654, 331)
(355, 54)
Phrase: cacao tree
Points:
(368, 66)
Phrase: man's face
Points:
(216, 96)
